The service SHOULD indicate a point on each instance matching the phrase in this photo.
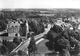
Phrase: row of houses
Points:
(64, 24)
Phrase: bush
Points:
(3, 25)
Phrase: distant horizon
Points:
(12, 9)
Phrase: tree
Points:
(32, 46)
(16, 41)
(64, 53)
(9, 45)
(49, 45)
(57, 29)
(21, 53)
(33, 25)
(36, 26)
(77, 47)
(5, 34)
(3, 49)
(40, 28)
(63, 42)
(52, 36)
(54, 32)
(59, 40)
(3, 25)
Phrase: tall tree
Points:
(32, 46)
(3, 25)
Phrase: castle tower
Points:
(27, 27)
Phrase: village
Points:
(28, 34)
(15, 27)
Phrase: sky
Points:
(39, 4)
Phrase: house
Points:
(71, 28)
(59, 22)
(13, 28)
(17, 28)
(68, 25)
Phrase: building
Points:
(17, 28)
(68, 25)
(79, 19)
(13, 28)
(27, 27)
(79, 27)
(24, 28)
(71, 28)
(59, 22)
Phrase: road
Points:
(2, 32)
(45, 32)
(23, 45)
